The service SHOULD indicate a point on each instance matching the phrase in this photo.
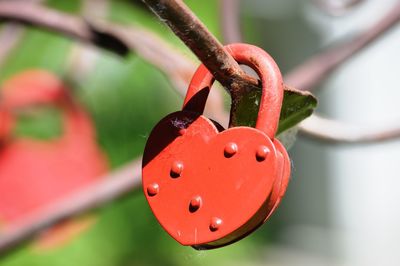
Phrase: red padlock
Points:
(36, 173)
(207, 186)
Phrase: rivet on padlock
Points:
(230, 181)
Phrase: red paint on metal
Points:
(233, 179)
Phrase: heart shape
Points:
(208, 188)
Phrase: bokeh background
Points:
(341, 207)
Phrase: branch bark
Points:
(31, 14)
(208, 49)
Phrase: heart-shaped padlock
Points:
(209, 187)
(35, 173)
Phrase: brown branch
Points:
(203, 44)
(31, 14)
(115, 184)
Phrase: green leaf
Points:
(297, 106)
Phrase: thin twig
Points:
(31, 14)
(327, 130)
(315, 69)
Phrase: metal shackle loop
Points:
(267, 70)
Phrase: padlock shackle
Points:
(271, 79)
(15, 96)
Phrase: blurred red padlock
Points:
(207, 186)
(36, 173)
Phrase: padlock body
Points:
(206, 187)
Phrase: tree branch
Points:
(208, 49)
(327, 130)
(31, 14)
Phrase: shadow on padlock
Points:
(209, 187)
(35, 173)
